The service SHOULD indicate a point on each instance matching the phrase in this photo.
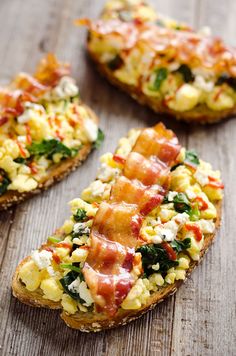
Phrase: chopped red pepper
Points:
(170, 251)
(196, 230)
(215, 183)
(63, 244)
(56, 258)
(22, 150)
(203, 205)
(28, 135)
(33, 168)
(119, 159)
(59, 135)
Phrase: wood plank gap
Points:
(172, 324)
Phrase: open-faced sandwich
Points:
(45, 131)
(164, 64)
(135, 234)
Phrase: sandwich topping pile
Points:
(42, 123)
(135, 231)
(163, 64)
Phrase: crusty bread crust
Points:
(56, 173)
(200, 115)
(89, 321)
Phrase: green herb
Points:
(225, 78)
(191, 158)
(48, 148)
(194, 214)
(186, 72)
(80, 215)
(161, 75)
(71, 267)
(180, 246)
(5, 181)
(115, 63)
(20, 160)
(68, 279)
(181, 203)
(54, 239)
(99, 140)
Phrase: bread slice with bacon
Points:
(164, 64)
(45, 131)
(134, 236)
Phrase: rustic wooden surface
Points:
(200, 318)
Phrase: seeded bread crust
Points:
(56, 173)
(200, 115)
(88, 322)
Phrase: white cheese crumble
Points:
(97, 188)
(190, 194)
(202, 84)
(82, 228)
(106, 173)
(74, 286)
(206, 226)
(31, 110)
(42, 259)
(66, 88)
(201, 177)
(91, 130)
(81, 288)
(169, 230)
(172, 195)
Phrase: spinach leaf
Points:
(20, 160)
(152, 254)
(161, 75)
(180, 246)
(99, 140)
(186, 73)
(48, 148)
(4, 182)
(225, 78)
(67, 280)
(191, 157)
(115, 63)
(80, 215)
(181, 203)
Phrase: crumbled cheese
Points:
(42, 259)
(202, 84)
(206, 226)
(81, 228)
(97, 188)
(91, 130)
(156, 267)
(172, 195)
(169, 230)
(85, 293)
(31, 110)
(190, 194)
(66, 88)
(106, 173)
(74, 286)
(201, 177)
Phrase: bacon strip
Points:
(116, 227)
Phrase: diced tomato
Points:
(170, 251)
(203, 205)
(215, 183)
(59, 135)
(3, 120)
(119, 159)
(196, 230)
(47, 248)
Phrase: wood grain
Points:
(200, 318)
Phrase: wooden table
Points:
(200, 318)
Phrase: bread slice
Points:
(56, 173)
(141, 13)
(200, 115)
(88, 322)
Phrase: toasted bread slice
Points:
(68, 249)
(45, 131)
(56, 174)
(88, 322)
(130, 59)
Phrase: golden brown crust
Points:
(96, 322)
(56, 174)
(200, 115)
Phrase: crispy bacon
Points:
(116, 226)
(147, 171)
(158, 142)
(134, 192)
